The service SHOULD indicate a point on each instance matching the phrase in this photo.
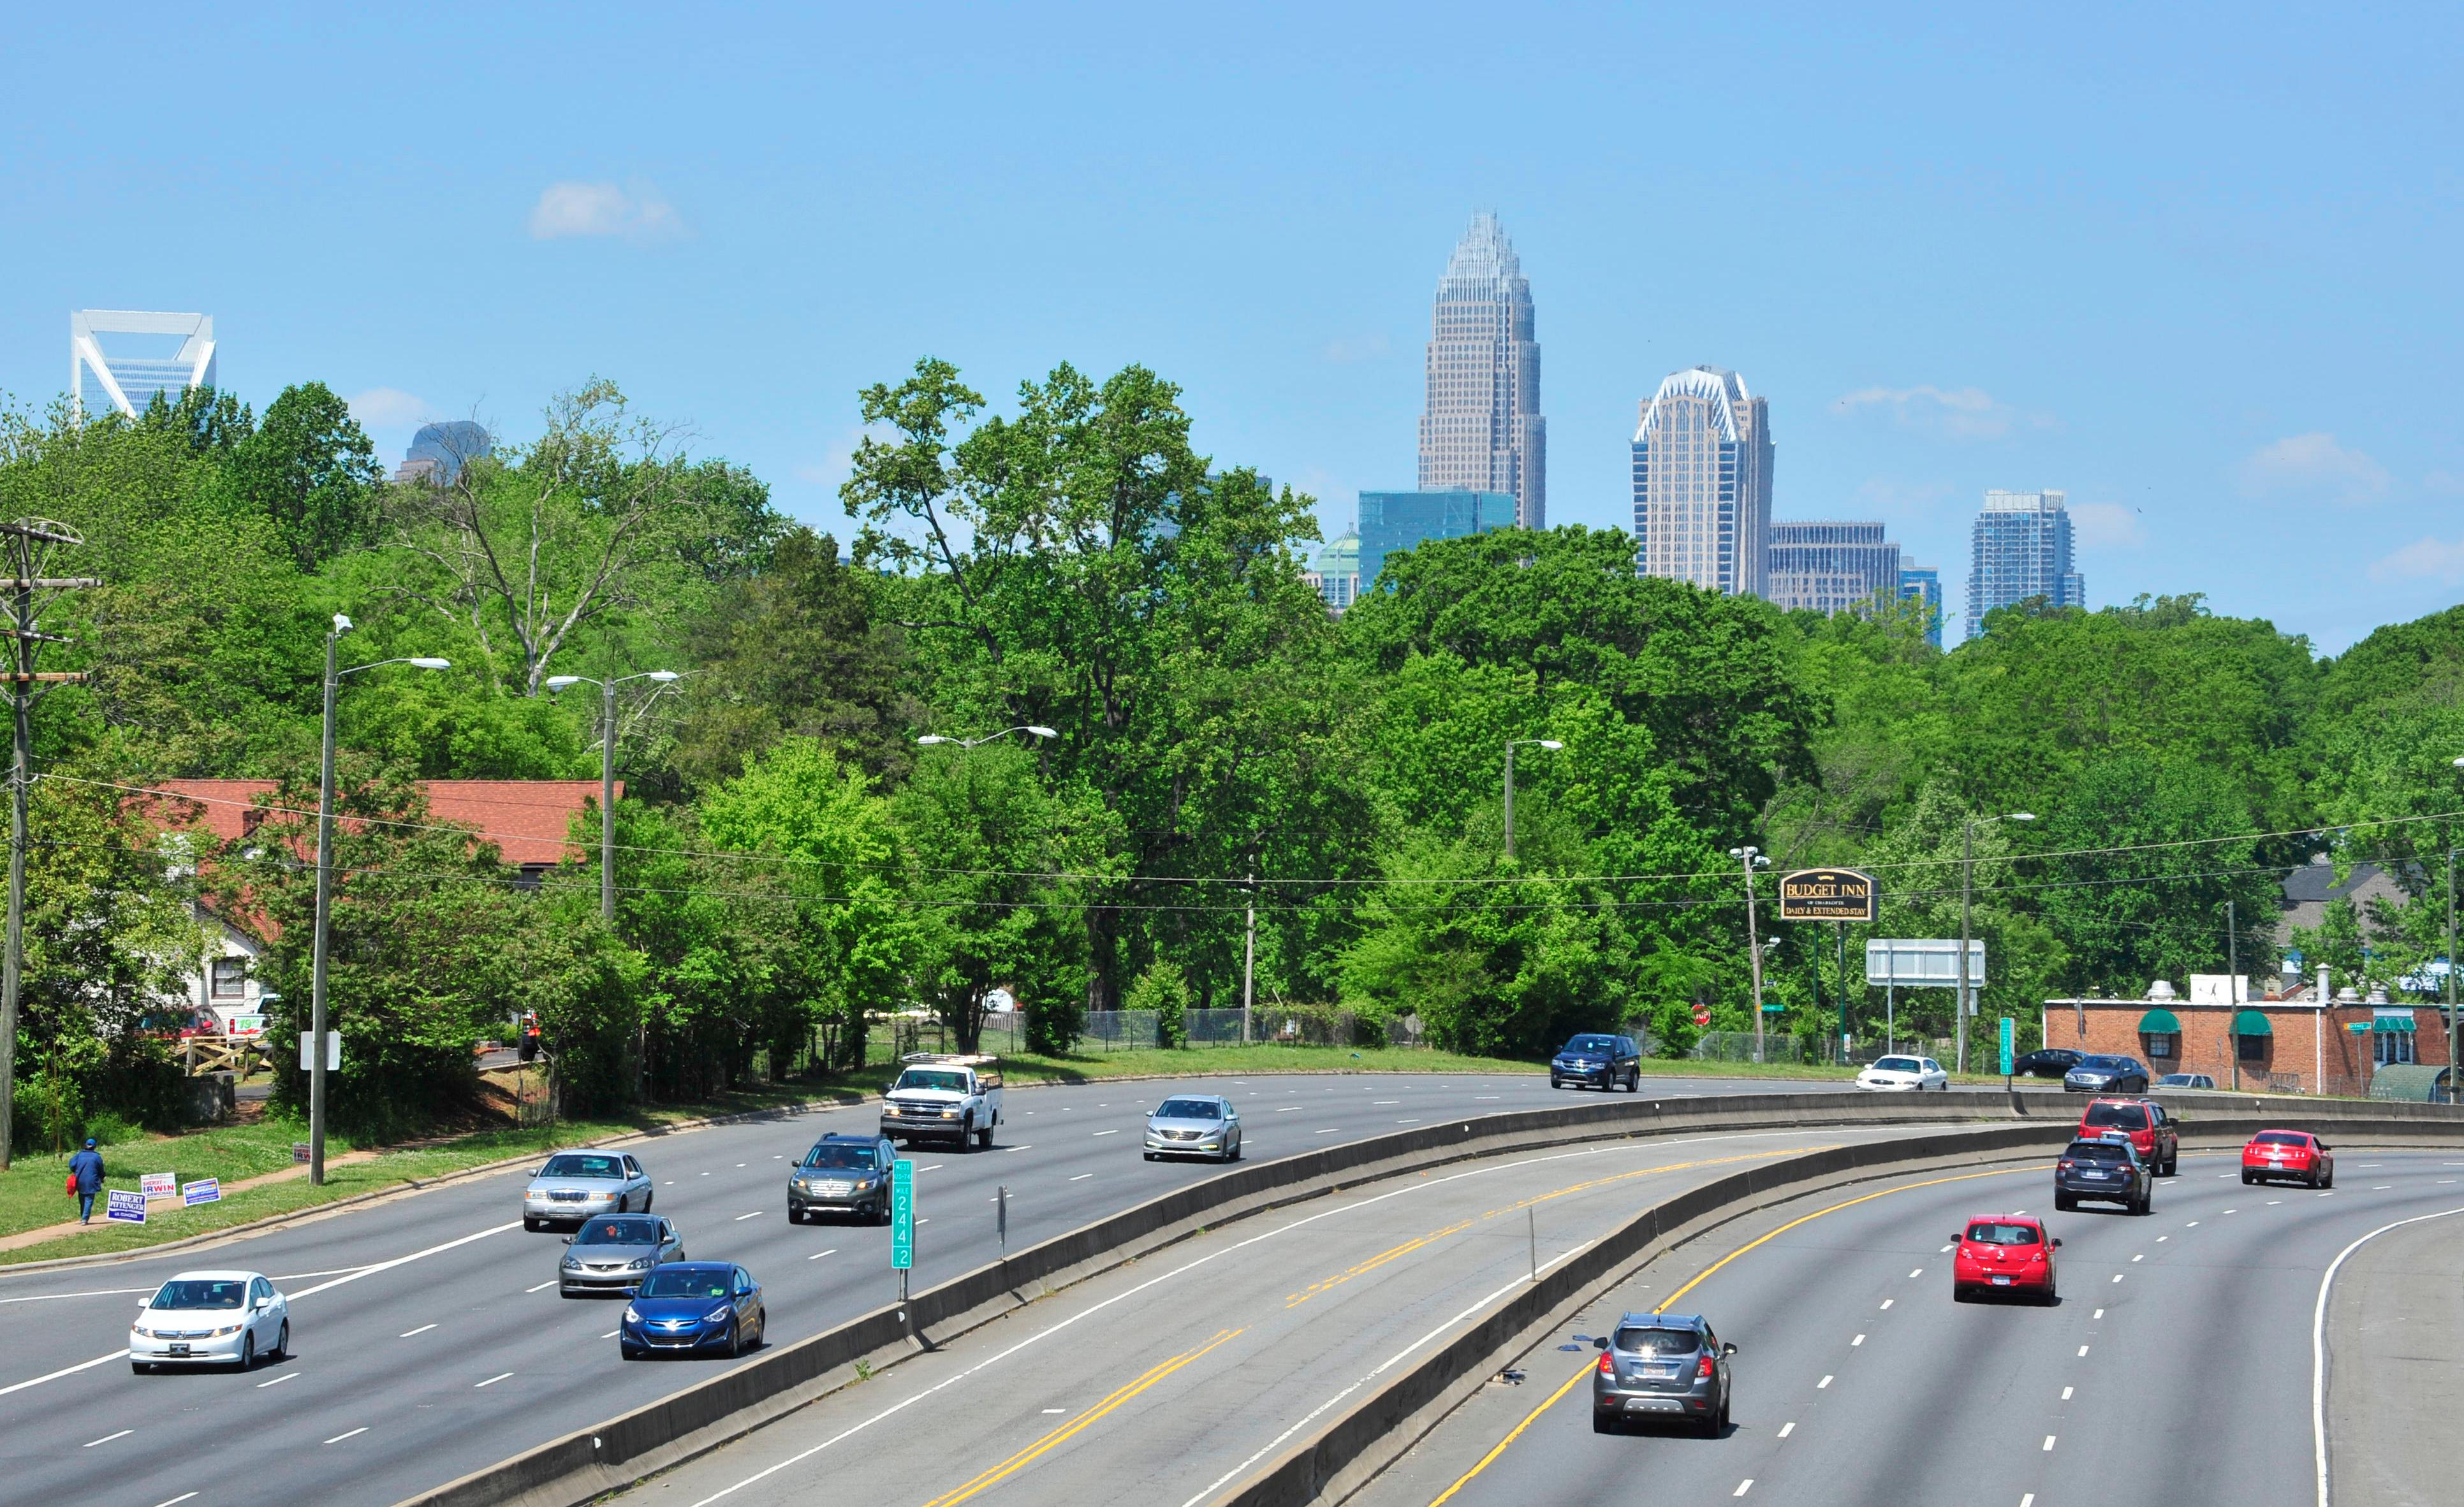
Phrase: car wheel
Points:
(281, 1350)
(2330, 1180)
(734, 1339)
(530, 1224)
(1602, 1423)
(2065, 1203)
(2247, 1179)
(1556, 1083)
(141, 1367)
(248, 1351)
(1959, 1292)
(629, 1352)
(984, 1139)
(647, 1195)
(2053, 1296)
(1633, 1081)
(1149, 1156)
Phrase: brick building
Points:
(2291, 1046)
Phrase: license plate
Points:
(1658, 1371)
(1654, 1404)
(179, 1349)
(2001, 1281)
(2096, 1178)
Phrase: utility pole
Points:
(1751, 858)
(324, 913)
(2232, 990)
(1966, 903)
(1249, 956)
(28, 543)
(2454, 1023)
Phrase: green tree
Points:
(309, 469)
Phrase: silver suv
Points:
(1662, 1367)
(613, 1252)
(572, 1186)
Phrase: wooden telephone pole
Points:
(26, 546)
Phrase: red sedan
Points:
(2289, 1154)
(2003, 1253)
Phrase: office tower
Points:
(2021, 548)
(1335, 572)
(118, 358)
(1481, 430)
(439, 452)
(1392, 522)
(1831, 567)
(1924, 584)
(1703, 483)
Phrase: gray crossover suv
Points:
(613, 1252)
(1662, 1367)
(846, 1174)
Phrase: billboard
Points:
(1826, 894)
(1923, 962)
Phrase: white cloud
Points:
(389, 408)
(1964, 413)
(2425, 557)
(2312, 465)
(637, 213)
(1352, 348)
(2107, 524)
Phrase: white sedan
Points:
(1904, 1074)
(211, 1319)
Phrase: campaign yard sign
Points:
(159, 1185)
(202, 1190)
(125, 1205)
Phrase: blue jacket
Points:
(86, 1166)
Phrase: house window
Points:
(2391, 1046)
(2252, 1048)
(2160, 1044)
(231, 977)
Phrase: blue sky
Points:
(2197, 269)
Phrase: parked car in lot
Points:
(1598, 1061)
(2152, 1131)
(2186, 1081)
(2052, 1061)
(1903, 1074)
(1662, 1367)
(2104, 1170)
(1999, 1253)
(938, 1097)
(2106, 1074)
(843, 1174)
(2288, 1155)
(1192, 1124)
(572, 1186)
(612, 1253)
(211, 1319)
(689, 1306)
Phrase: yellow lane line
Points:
(1557, 1396)
(1080, 1424)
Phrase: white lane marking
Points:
(2192, 1225)
(2099, 1314)
(1743, 1487)
(740, 1218)
(2027, 1499)
(1787, 1429)
(1116, 1130)
(2162, 1238)
(408, 1333)
(1056, 1409)
(500, 1376)
(2442, 1181)
(404, 1260)
(1947, 1247)
(121, 1354)
(1477, 1097)
(1821, 1385)
(2271, 1203)
(1887, 1301)
(106, 1438)
(2049, 1442)
(2232, 1211)
(778, 1159)
(817, 1254)
(934, 1167)
(2331, 1193)
(1919, 1272)
(353, 1434)
(2117, 1277)
(2082, 1351)
(1082, 1177)
(287, 1376)
(609, 1335)
(1019, 1147)
(126, 1292)
(550, 1283)
(2319, 1343)
(701, 1175)
(2141, 1256)
(2066, 1394)
(2380, 1187)
(1853, 1344)
(669, 1183)
(1415, 1120)
(175, 1501)
(739, 1165)
(1287, 1109)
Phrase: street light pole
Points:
(1966, 902)
(2454, 1022)
(1550, 744)
(606, 771)
(1752, 859)
(969, 743)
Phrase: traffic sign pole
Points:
(902, 1222)
(2006, 1052)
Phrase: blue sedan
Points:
(693, 1306)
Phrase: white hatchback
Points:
(211, 1319)
(1903, 1074)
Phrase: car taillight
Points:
(1704, 1369)
(1608, 1363)
(2067, 1164)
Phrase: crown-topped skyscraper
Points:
(1481, 430)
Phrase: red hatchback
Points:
(2291, 1154)
(2003, 1253)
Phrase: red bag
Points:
(71, 1189)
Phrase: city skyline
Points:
(1481, 428)
(1701, 456)
(2020, 546)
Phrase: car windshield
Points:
(1657, 1341)
(861, 1158)
(2098, 1152)
(2102, 1064)
(2117, 1117)
(213, 1292)
(575, 1165)
(1988, 1232)
(2175, 1079)
(619, 1231)
(2282, 1138)
(1188, 1110)
(670, 1282)
(1592, 1043)
(1897, 1064)
(932, 1077)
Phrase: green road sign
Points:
(2005, 1046)
(902, 1214)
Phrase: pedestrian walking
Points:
(85, 1179)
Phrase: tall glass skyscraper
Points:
(1831, 567)
(1703, 483)
(2021, 548)
(1392, 522)
(118, 358)
(1481, 430)
(1924, 584)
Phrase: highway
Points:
(1161, 1383)
(430, 1339)
(2176, 1368)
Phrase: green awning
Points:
(2159, 1022)
(2391, 1025)
(2250, 1023)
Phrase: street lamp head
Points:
(2458, 762)
(2022, 816)
(1041, 731)
(341, 624)
(561, 681)
(662, 676)
(934, 737)
(1550, 744)
(430, 661)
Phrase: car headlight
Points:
(226, 1329)
(632, 1314)
(948, 1114)
(716, 1314)
(643, 1264)
(572, 1261)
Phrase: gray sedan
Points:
(1187, 1126)
(576, 1185)
(612, 1253)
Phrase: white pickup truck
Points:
(938, 1097)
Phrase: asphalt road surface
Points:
(429, 1341)
(1163, 1383)
(2177, 1367)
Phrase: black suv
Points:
(2107, 1171)
(842, 1173)
(1600, 1062)
(2052, 1061)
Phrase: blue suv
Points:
(1598, 1061)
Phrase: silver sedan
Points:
(613, 1252)
(573, 1185)
(1188, 1125)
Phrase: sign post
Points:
(902, 1222)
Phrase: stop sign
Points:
(1702, 1015)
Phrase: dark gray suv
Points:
(843, 1174)
(1662, 1367)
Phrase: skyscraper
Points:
(2021, 548)
(1392, 522)
(1481, 430)
(1703, 483)
(439, 452)
(1830, 567)
(1924, 584)
(148, 353)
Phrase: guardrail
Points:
(614, 1453)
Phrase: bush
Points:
(1165, 991)
(1054, 1022)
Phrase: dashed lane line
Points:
(1786, 1428)
(499, 1377)
(106, 1438)
(287, 1376)
(817, 1254)
(409, 1333)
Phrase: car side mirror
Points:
(1600, 1344)
(2325, 1147)
(569, 1239)
(1729, 1349)
(1956, 1237)
(2058, 1242)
